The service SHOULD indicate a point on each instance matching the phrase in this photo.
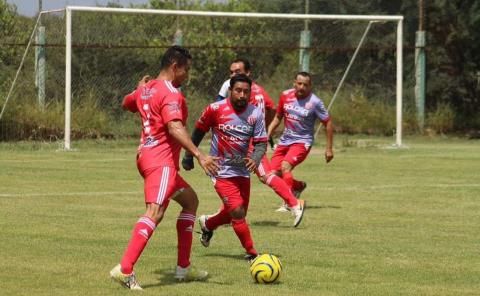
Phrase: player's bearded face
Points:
(239, 95)
(303, 86)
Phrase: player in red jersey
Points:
(260, 98)
(163, 112)
(235, 124)
(299, 108)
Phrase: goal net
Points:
(76, 73)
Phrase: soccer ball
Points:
(266, 269)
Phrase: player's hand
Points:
(209, 164)
(144, 80)
(187, 162)
(328, 155)
(250, 164)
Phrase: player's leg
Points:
(267, 177)
(238, 202)
(143, 229)
(277, 158)
(186, 197)
(296, 154)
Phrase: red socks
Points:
(282, 189)
(240, 227)
(185, 222)
(221, 218)
(142, 232)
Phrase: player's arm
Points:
(128, 102)
(252, 162)
(197, 137)
(329, 145)
(180, 134)
(274, 124)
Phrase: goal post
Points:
(309, 17)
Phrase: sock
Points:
(142, 232)
(221, 218)
(281, 188)
(185, 222)
(242, 231)
(288, 178)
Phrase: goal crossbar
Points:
(385, 18)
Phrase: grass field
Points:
(379, 222)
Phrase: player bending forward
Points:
(163, 112)
(234, 123)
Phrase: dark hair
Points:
(246, 64)
(174, 54)
(240, 78)
(304, 74)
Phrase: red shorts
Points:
(294, 154)
(161, 184)
(234, 192)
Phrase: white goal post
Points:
(382, 18)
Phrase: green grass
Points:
(380, 221)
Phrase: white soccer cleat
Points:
(206, 234)
(298, 211)
(190, 273)
(283, 209)
(128, 281)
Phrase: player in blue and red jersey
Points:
(163, 112)
(235, 124)
(260, 98)
(299, 108)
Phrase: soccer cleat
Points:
(190, 273)
(206, 234)
(283, 209)
(251, 257)
(128, 281)
(299, 191)
(298, 212)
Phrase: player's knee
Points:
(238, 213)
(155, 212)
(286, 167)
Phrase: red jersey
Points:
(260, 98)
(157, 102)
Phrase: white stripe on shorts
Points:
(163, 185)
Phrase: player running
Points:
(234, 123)
(300, 108)
(260, 98)
(163, 112)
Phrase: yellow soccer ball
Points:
(266, 269)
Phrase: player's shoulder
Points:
(288, 92)
(315, 99)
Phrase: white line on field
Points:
(261, 189)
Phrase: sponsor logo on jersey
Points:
(215, 106)
(147, 93)
(298, 109)
(174, 107)
(309, 105)
(150, 142)
(235, 127)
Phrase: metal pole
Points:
(420, 67)
(305, 38)
(178, 37)
(399, 85)
(68, 76)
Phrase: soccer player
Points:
(163, 112)
(234, 123)
(300, 108)
(260, 98)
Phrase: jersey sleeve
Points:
(269, 104)
(321, 112)
(129, 101)
(206, 120)
(280, 105)
(259, 130)
(171, 107)
(224, 89)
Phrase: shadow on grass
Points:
(265, 223)
(310, 206)
(166, 278)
